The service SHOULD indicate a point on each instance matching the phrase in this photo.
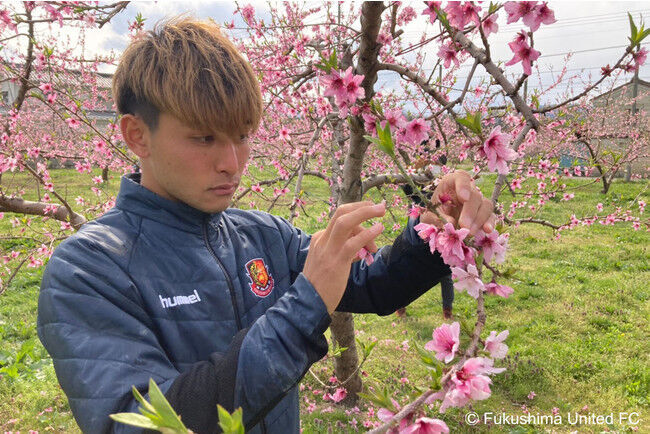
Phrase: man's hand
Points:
(463, 205)
(332, 251)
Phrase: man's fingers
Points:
(470, 209)
(345, 209)
(343, 226)
(463, 186)
(363, 238)
(490, 224)
(372, 247)
(482, 216)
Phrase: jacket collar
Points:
(135, 198)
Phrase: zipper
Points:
(231, 289)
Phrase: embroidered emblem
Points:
(261, 282)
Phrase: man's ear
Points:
(136, 135)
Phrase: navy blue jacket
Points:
(213, 307)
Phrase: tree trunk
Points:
(343, 323)
(105, 174)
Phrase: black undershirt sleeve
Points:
(194, 394)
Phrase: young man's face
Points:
(199, 168)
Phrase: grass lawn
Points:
(578, 321)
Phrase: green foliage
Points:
(231, 423)
(379, 396)
(157, 414)
(328, 63)
(384, 139)
(472, 121)
(366, 349)
(637, 35)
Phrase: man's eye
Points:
(243, 139)
(204, 139)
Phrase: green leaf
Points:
(163, 408)
(380, 397)
(230, 423)
(338, 351)
(430, 361)
(148, 407)
(369, 348)
(633, 29)
(471, 122)
(134, 419)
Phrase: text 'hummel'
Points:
(179, 299)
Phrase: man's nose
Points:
(226, 158)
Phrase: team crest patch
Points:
(261, 282)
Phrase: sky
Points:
(593, 30)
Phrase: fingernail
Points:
(380, 206)
(488, 228)
(464, 194)
(378, 227)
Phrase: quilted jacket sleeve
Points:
(91, 323)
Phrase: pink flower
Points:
(490, 25)
(6, 20)
(490, 246)
(446, 339)
(496, 151)
(469, 383)
(426, 425)
(414, 212)
(533, 14)
(248, 13)
(540, 14)
(73, 123)
(395, 119)
(532, 395)
(599, 207)
(516, 10)
(495, 346)
(524, 53)
(386, 415)
(334, 84)
(431, 10)
(640, 56)
(416, 131)
(366, 256)
(339, 395)
(428, 233)
(500, 290)
(344, 87)
(46, 87)
(51, 97)
(284, 133)
(448, 54)
(460, 15)
(449, 243)
(468, 280)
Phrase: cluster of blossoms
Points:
(449, 242)
(345, 87)
(469, 379)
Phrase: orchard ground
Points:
(578, 320)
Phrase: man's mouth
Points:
(224, 189)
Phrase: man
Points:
(217, 305)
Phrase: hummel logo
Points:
(179, 299)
